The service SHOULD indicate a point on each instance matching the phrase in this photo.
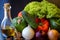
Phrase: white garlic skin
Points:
(28, 33)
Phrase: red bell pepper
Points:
(37, 20)
(43, 25)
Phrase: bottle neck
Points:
(7, 13)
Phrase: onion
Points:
(53, 34)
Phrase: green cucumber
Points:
(29, 20)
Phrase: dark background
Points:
(18, 6)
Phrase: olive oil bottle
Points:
(7, 30)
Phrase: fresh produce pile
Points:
(40, 20)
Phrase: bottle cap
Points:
(7, 5)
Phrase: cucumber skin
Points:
(31, 22)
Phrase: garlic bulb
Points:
(28, 33)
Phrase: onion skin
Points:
(53, 34)
(40, 35)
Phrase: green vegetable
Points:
(52, 10)
(19, 25)
(42, 9)
(30, 20)
(34, 8)
(55, 24)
